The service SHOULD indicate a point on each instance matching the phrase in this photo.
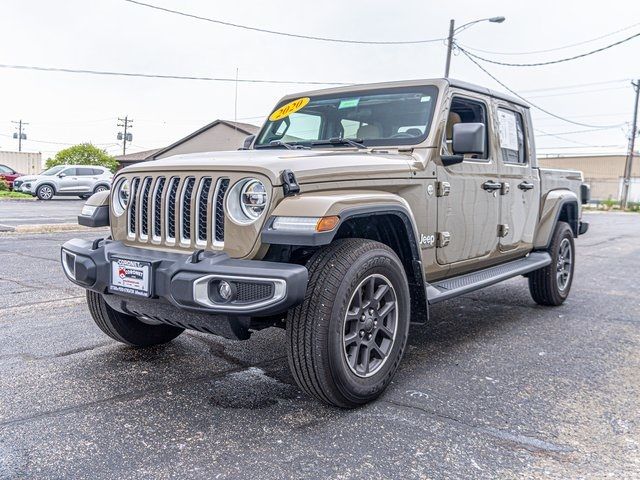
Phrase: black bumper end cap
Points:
(99, 218)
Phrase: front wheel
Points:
(551, 285)
(128, 329)
(45, 192)
(346, 340)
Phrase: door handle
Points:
(490, 186)
(526, 186)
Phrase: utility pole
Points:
(126, 136)
(452, 32)
(452, 29)
(19, 135)
(632, 145)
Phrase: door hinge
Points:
(442, 189)
(503, 230)
(443, 239)
(504, 189)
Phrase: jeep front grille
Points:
(186, 211)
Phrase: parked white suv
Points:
(80, 180)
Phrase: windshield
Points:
(53, 170)
(394, 116)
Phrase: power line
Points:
(531, 103)
(574, 131)
(284, 34)
(580, 92)
(531, 52)
(547, 134)
(172, 77)
(576, 85)
(552, 62)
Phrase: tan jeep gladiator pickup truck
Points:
(351, 212)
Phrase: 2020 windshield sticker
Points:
(289, 108)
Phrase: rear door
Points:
(86, 179)
(520, 193)
(467, 198)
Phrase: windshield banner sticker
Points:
(289, 108)
(352, 102)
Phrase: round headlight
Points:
(253, 198)
(247, 200)
(121, 197)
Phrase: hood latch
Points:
(289, 183)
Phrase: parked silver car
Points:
(80, 180)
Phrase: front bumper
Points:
(189, 282)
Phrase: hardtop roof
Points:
(439, 82)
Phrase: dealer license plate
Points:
(131, 277)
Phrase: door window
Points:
(464, 110)
(4, 169)
(69, 172)
(511, 133)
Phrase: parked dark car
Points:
(9, 175)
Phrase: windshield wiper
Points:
(356, 142)
(280, 143)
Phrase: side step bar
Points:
(456, 286)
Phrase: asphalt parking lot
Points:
(493, 387)
(54, 211)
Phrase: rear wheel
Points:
(551, 285)
(100, 188)
(127, 328)
(45, 192)
(346, 340)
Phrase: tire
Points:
(45, 192)
(100, 188)
(128, 329)
(550, 286)
(325, 365)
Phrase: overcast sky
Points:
(115, 35)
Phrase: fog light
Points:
(224, 289)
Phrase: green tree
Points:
(83, 154)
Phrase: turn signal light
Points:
(326, 224)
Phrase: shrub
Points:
(83, 154)
(4, 185)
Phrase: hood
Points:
(28, 178)
(309, 166)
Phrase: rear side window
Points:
(86, 171)
(97, 171)
(511, 132)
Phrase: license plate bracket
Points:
(131, 277)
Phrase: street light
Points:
(453, 30)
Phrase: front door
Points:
(520, 194)
(468, 213)
(67, 180)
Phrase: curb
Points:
(48, 228)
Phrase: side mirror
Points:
(585, 193)
(246, 145)
(62, 175)
(469, 138)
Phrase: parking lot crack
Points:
(125, 397)
(522, 441)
